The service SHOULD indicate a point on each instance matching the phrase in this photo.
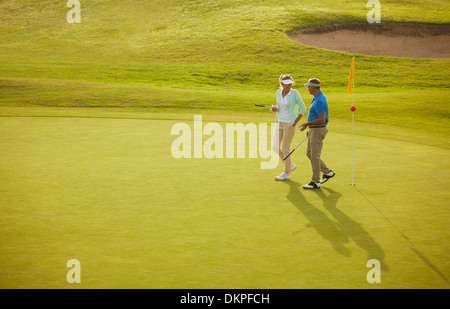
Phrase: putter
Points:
(295, 148)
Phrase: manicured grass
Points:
(86, 112)
(379, 109)
(107, 192)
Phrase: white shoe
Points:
(312, 185)
(282, 176)
(327, 176)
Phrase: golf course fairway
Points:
(97, 98)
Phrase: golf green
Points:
(108, 192)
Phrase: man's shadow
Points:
(337, 233)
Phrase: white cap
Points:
(287, 81)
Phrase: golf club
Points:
(295, 148)
(259, 105)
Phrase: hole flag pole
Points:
(351, 90)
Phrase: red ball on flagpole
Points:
(353, 108)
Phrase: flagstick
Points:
(353, 108)
(353, 128)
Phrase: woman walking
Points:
(287, 107)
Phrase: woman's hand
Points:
(274, 108)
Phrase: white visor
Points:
(312, 84)
(287, 81)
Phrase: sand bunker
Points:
(397, 40)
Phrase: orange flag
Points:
(351, 76)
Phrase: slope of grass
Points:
(209, 54)
(201, 43)
(373, 108)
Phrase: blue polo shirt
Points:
(318, 107)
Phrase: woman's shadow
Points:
(339, 232)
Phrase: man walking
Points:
(317, 123)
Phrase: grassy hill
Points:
(201, 44)
(210, 54)
(222, 55)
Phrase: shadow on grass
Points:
(339, 232)
(410, 244)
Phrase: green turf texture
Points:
(108, 192)
(86, 114)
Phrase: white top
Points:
(283, 112)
